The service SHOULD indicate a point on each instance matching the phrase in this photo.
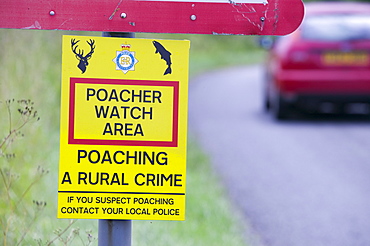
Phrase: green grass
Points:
(209, 216)
(31, 69)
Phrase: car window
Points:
(336, 27)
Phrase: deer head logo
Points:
(83, 60)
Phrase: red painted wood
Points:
(280, 16)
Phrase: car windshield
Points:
(336, 27)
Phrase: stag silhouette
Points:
(83, 60)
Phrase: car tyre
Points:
(266, 89)
(266, 102)
(280, 108)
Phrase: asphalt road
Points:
(300, 182)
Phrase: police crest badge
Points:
(125, 60)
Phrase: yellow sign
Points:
(123, 129)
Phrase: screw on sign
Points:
(245, 17)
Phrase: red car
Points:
(324, 66)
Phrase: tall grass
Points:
(31, 69)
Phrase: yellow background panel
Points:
(148, 167)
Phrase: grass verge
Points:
(210, 217)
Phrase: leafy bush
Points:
(16, 215)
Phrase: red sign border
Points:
(71, 122)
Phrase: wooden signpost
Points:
(223, 17)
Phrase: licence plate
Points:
(345, 59)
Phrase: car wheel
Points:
(266, 92)
(266, 102)
(280, 108)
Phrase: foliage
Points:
(68, 239)
(17, 216)
(29, 148)
(210, 217)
